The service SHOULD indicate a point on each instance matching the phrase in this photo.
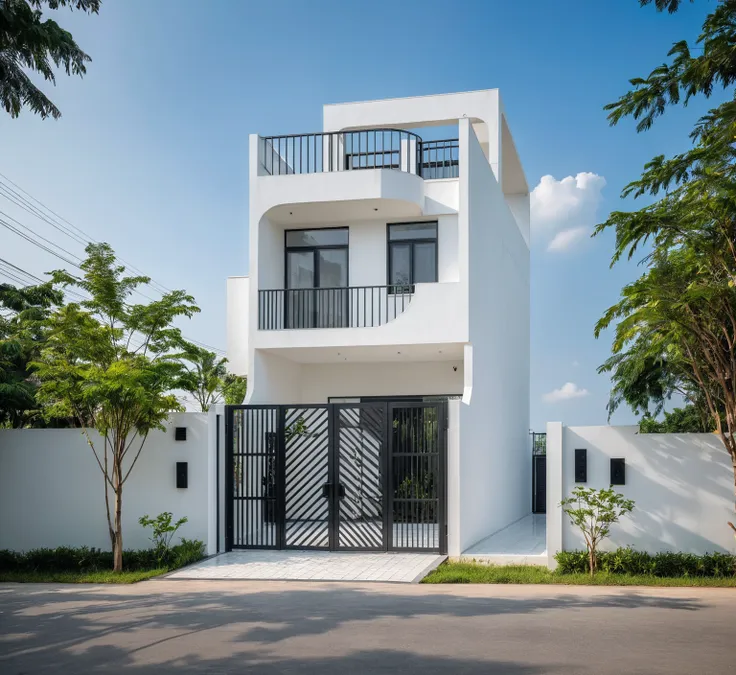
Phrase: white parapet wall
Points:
(52, 491)
(682, 485)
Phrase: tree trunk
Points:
(117, 546)
(591, 560)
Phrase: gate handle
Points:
(327, 489)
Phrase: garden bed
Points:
(478, 573)
(93, 566)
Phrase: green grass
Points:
(106, 577)
(478, 573)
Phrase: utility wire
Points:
(61, 223)
(18, 199)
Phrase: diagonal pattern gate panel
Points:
(307, 477)
(365, 476)
(360, 441)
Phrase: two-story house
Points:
(384, 330)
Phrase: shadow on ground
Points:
(163, 627)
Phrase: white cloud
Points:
(565, 209)
(566, 239)
(576, 363)
(565, 393)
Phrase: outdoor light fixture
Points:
(180, 434)
(581, 465)
(618, 471)
(182, 474)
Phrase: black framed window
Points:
(412, 254)
(316, 269)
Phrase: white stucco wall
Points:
(52, 491)
(321, 381)
(682, 485)
(238, 323)
(495, 469)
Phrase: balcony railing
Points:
(346, 307)
(440, 159)
(363, 149)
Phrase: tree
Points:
(109, 364)
(21, 312)
(234, 388)
(680, 421)
(29, 42)
(678, 321)
(204, 377)
(593, 512)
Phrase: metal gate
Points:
(347, 476)
(539, 473)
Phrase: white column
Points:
(213, 478)
(453, 478)
(554, 491)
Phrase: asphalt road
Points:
(166, 627)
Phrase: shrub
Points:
(186, 553)
(666, 564)
(593, 512)
(163, 531)
(84, 559)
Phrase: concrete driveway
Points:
(166, 627)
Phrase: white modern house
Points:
(384, 330)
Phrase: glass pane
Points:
(322, 237)
(333, 268)
(400, 264)
(412, 231)
(300, 272)
(425, 267)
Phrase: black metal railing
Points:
(345, 307)
(539, 443)
(362, 149)
(440, 159)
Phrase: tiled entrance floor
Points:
(313, 566)
(522, 542)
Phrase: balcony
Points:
(357, 150)
(344, 307)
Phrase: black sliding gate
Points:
(343, 476)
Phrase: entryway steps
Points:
(313, 566)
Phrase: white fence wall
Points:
(682, 485)
(52, 491)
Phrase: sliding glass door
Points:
(317, 278)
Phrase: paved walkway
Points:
(313, 566)
(278, 628)
(523, 542)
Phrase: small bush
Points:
(186, 553)
(667, 564)
(86, 560)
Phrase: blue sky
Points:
(151, 152)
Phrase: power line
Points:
(16, 198)
(36, 243)
(4, 189)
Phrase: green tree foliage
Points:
(675, 327)
(593, 512)
(689, 419)
(207, 379)
(30, 42)
(204, 377)
(234, 388)
(112, 366)
(22, 311)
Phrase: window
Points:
(412, 254)
(316, 278)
